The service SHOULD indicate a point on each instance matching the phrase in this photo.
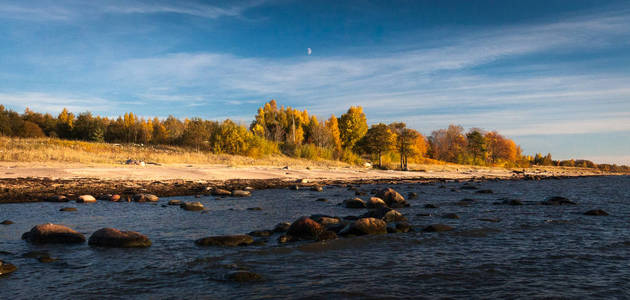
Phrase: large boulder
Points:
(86, 199)
(376, 202)
(225, 240)
(6, 268)
(111, 237)
(392, 198)
(354, 203)
(53, 233)
(241, 193)
(192, 206)
(365, 226)
(305, 228)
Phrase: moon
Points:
(309, 51)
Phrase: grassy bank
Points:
(57, 150)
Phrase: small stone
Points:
(241, 193)
(174, 202)
(68, 209)
(7, 222)
(192, 206)
(6, 268)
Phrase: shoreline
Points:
(30, 182)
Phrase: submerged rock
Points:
(430, 206)
(53, 233)
(6, 268)
(596, 212)
(145, 198)
(7, 222)
(110, 197)
(354, 203)
(192, 206)
(392, 198)
(437, 228)
(386, 214)
(254, 208)
(225, 240)
(484, 192)
(174, 202)
(400, 227)
(412, 195)
(58, 198)
(317, 188)
(244, 276)
(111, 237)
(221, 192)
(450, 216)
(327, 235)
(321, 200)
(68, 209)
(305, 228)
(261, 233)
(557, 200)
(86, 199)
(282, 227)
(365, 226)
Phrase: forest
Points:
(294, 133)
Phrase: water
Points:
(534, 251)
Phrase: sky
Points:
(552, 75)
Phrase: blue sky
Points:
(553, 75)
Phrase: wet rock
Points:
(468, 186)
(392, 198)
(465, 202)
(493, 220)
(325, 220)
(400, 227)
(303, 181)
(321, 200)
(412, 195)
(225, 240)
(430, 206)
(450, 216)
(86, 199)
(221, 192)
(244, 276)
(360, 193)
(35, 254)
(68, 209)
(58, 198)
(386, 214)
(317, 188)
(286, 239)
(484, 192)
(145, 198)
(294, 187)
(365, 226)
(376, 202)
(111, 237)
(282, 227)
(53, 233)
(46, 259)
(174, 202)
(305, 228)
(354, 203)
(513, 202)
(261, 233)
(596, 212)
(248, 188)
(192, 206)
(241, 193)
(557, 200)
(254, 208)
(437, 228)
(327, 235)
(7, 222)
(6, 268)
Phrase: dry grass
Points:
(57, 150)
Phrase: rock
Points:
(437, 228)
(58, 198)
(221, 192)
(376, 202)
(248, 188)
(286, 239)
(86, 199)
(261, 233)
(468, 186)
(484, 192)
(174, 202)
(111, 237)
(243, 276)
(513, 202)
(360, 193)
(354, 203)
(294, 187)
(254, 208)
(596, 212)
(430, 206)
(412, 195)
(317, 188)
(6, 268)
(493, 220)
(53, 233)
(401, 227)
(68, 209)
(465, 202)
(321, 200)
(225, 240)
(7, 222)
(392, 198)
(145, 198)
(303, 181)
(557, 200)
(241, 193)
(450, 216)
(282, 227)
(46, 259)
(386, 214)
(365, 226)
(192, 206)
(327, 221)
(327, 235)
(305, 228)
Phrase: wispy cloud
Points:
(42, 102)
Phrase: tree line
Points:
(288, 131)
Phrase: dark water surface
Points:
(534, 251)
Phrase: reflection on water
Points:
(533, 251)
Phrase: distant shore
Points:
(32, 182)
